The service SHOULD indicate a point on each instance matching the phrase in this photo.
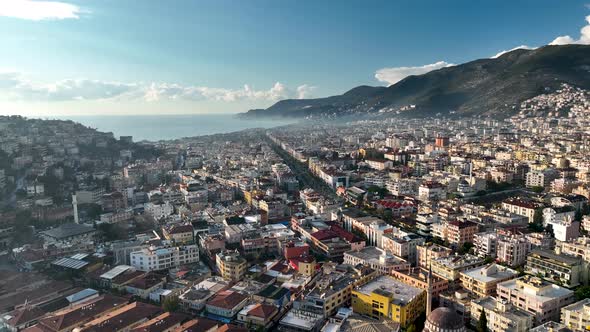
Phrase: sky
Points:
(126, 57)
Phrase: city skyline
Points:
(117, 57)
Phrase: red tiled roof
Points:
(324, 234)
(263, 311)
(226, 299)
(197, 325)
(178, 229)
(161, 323)
(231, 328)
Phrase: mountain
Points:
(493, 87)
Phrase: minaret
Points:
(75, 204)
(429, 292)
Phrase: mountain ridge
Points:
(490, 87)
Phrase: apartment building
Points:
(524, 208)
(376, 258)
(155, 259)
(512, 249)
(386, 298)
(429, 252)
(482, 280)
(568, 271)
(455, 232)
(432, 191)
(537, 296)
(451, 267)
(231, 265)
(485, 244)
(576, 316)
(501, 315)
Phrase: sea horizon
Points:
(154, 127)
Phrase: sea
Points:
(167, 127)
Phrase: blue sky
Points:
(168, 57)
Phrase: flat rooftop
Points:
(546, 291)
(490, 273)
(578, 306)
(514, 313)
(372, 254)
(386, 285)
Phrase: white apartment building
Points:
(501, 315)
(402, 187)
(540, 178)
(432, 191)
(512, 250)
(155, 259)
(486, 244)
(565, 230)
(579, 247)
(521, 208)
(537, 296)
(576, 316)
(159, 211)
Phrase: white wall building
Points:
(155, 259)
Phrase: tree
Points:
(482, 324)
(549, 229)
(582, 292)
(388, 215)
(411, 328)
(465, 248)
(171, 304)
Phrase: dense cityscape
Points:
(294, 166)
(404, 224)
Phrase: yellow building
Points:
(385, 297)
(231, 265)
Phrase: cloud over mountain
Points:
(393, 75)
(583, 40)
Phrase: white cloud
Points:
(521, 47)
(396, 74)
(39, 10)
(584, 36)
(305, 91)
(14, 86)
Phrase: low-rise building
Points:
(258, 315)
(225, 304)
(68, 234)
(194, 299)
